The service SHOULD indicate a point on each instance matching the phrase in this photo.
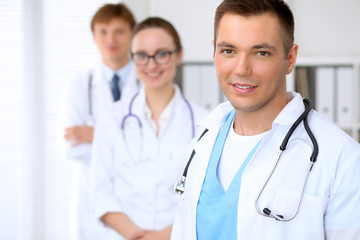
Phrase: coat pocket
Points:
(308, 222)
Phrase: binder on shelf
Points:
(191, 83)
(302, 82)
(200, 84)
(344, 110)
(290, 81)
(325, 91)
(210, 93)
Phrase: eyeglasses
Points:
(160, 57)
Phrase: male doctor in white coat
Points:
(113, 79)
(227, 194)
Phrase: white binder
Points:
(210, 88)
(325, 91)
(191, 83)
(344, 88)
(200, 85)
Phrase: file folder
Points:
(210, 88)
(200, 85)
(344, 96)
(325, 91)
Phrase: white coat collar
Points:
(287, 116)
(123, 72)
(290, 113)
(140, 100)
(98, 76)
(217, 117)
(103, 74)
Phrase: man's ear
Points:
(291, 58)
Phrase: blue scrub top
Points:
(216, 214)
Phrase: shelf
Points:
(336, 98)
(326, 61)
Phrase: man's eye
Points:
(227, 52)
(263, 53)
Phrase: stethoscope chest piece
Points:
(179, 187)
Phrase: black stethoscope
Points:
(266, 212)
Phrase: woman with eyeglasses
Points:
(140, 143)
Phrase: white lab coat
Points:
(77, 113)
(330, 208)
(144, 190)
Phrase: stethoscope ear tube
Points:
(90, 121)
(90, 94)
(192, 155)
(313, 156)
(303, 116)
(140, 125)
(129, 115)
(191, 116)
(180, 186)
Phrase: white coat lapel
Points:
(196, 174)
(102, 96)
(132, 85)
(204, 146)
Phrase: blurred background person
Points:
(89, 93)
(139, 146)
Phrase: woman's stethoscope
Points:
(130, 114)
(140, 126)
(180, 186)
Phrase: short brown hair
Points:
(109, 11)
(156, 22)
(257, 7)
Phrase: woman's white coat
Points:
(142, 189)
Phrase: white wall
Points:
(193, 19)
(140, 8)
(327, 27)
(322, 27)
(43, 44)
